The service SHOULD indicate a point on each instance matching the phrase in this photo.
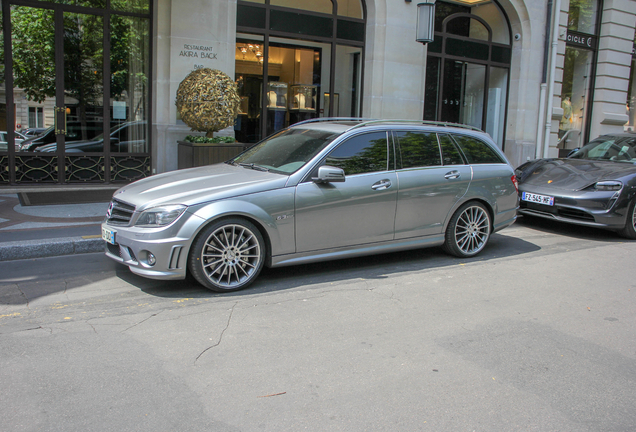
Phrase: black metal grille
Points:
(119, 213)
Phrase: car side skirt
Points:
(356, 251)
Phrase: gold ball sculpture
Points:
(207, 100)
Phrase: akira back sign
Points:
(581, 40)
(198, 51)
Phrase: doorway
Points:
(81, 73)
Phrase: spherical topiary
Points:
(207, 100)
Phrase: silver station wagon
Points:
(319, 190)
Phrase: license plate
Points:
(539, 199)
(108, 236)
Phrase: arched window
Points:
(295, 60)
(467, 68)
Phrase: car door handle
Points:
(452, 175)
(381, 185)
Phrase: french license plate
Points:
(539, 199)
(109, 235)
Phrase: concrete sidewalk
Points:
(48, 230)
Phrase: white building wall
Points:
(395, 64)
(180, 28)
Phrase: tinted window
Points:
(450, 153)
(419, 149)
(476, 151)
(361, 154)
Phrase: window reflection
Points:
(361, 154)
(129, 81)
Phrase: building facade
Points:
(541, 77)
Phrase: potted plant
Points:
(207, 101)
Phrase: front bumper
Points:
(133, 245)
(594, 209)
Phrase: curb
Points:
(29, 249)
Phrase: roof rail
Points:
(417, 122)
(332, 119)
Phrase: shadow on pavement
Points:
(28, 280)
(339, 271)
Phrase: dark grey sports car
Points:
(594, 186)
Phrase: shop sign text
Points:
(198, 51)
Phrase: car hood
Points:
(572, 174)
(198, 185)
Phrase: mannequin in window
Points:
(566, 120)
(274, 100)
(299, 101)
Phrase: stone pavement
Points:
(48, 230)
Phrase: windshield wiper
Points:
(254, 166)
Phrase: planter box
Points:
(200, 154)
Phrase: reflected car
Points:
(32, 132)
(125, 137)
(4, 145)
(594, 186)
(319, 190)
(74, 130)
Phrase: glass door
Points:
(63, 79)
(76, 101)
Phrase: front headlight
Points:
(609, 185)
(160, 216)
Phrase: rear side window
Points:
(450, 153)
(419, 149)
(476, 151)
(361, 154)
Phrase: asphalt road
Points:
(538, 333)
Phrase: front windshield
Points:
(621, 149)
(287, 151)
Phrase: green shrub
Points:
(215, 140)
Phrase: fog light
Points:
(152, 260)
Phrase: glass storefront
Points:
(467, 68)
(299, 68)
(578, 74)
(86, 88)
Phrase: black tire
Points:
(468, 231)
(227, 255)
(629, 231)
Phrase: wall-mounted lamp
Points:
(425, 22)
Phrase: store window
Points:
(306, 63)
(467, 69)
(88, 84)
(578, 74)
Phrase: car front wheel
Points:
(630, 224)
(468, 231)
(227, 255)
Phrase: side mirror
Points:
(573, 151)
(329, 174)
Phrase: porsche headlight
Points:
(160, 216)
(609, 185)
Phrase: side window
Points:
(419, 149)
(476, 151)
(361, 154)
(450, 153)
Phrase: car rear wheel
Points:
(227, 255)
(468, 231)
(630, 224)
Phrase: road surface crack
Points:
(229, 319)
(141, 322)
